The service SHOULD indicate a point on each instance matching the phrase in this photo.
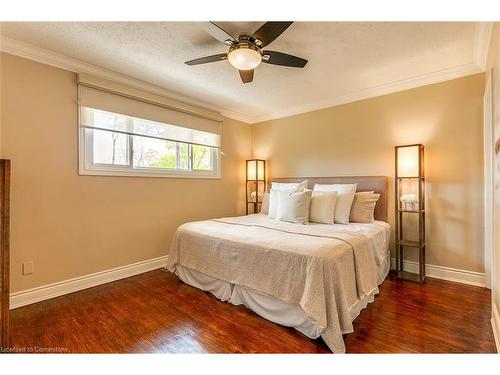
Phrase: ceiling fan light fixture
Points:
(244, 57)
(246, 52)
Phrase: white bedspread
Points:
(326, 269)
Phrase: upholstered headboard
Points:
(365, 183)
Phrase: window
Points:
(123, 145)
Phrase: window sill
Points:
(146, 173)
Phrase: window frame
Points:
(88, 168)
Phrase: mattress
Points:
(373, 238)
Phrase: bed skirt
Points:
(269, 307)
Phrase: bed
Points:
(315, 278)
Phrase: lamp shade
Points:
(244, 58)
(255, 184)
(408, 161)
(256, 170)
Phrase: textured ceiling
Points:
(344, 58)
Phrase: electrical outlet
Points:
(28, 268)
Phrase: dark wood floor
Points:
(155, 312)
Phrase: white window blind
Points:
(163, 122)
(129, 115)
(146, 128)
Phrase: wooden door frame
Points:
(4, 252)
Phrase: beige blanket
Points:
(325, 269)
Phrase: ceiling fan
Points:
(246, 52)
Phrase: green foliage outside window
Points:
(201, 157)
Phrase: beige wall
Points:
(72, 225)
(359, 138)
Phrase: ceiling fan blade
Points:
(217, 32)
(246, 75)
(207, 59)
(279, 58)
(269, 31)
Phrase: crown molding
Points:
(482, 40)
(44, 56)
(389, 88)
(237, 116)
(481, 45)
(479, 56)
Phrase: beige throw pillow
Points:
(345, 196)
(323, 207)
(363, 207)
(293, 207)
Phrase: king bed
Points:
(315, 278)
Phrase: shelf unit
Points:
(410, 178)
(255, 185)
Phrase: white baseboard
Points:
(495, 325)
(44, 292)
(446, 273)
(26, 297)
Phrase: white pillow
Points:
(282, 186)
(274, 197)
(345, 196)
(289, 186)
(264, 208)
(273, 203)
(293, 207)
(323, 207)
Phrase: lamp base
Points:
(410, 206)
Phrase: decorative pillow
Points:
(345, 196)
(282, 186)
(323, 207)
(363, 207)
(293, 207)
(273, 203)
(264, 208)
(274, 197)
(289, 186)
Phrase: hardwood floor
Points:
(155, 312)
